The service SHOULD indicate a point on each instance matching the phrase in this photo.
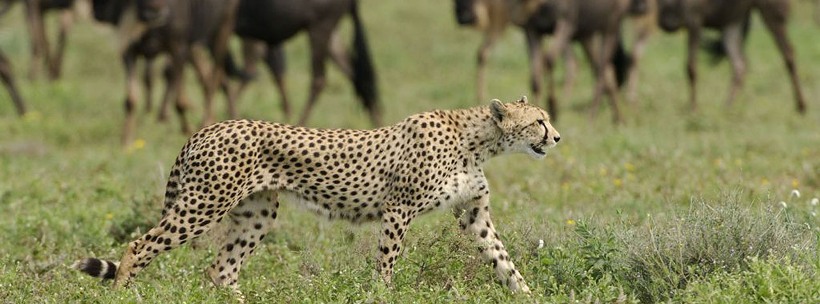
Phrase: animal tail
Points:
(622, 62)
(714, 47)
(364, 76)
(97, 268)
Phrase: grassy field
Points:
(710, 207)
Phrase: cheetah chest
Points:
(462, 187)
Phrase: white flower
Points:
(540, 244)
(815, 201)
(795, 193)
(783, 204)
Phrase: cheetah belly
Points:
(334, 209)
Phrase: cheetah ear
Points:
(523, 99)
(498, 110)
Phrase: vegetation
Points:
(715, 206)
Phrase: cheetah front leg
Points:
(474, 219)
(395, 222)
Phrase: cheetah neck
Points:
(479, 133)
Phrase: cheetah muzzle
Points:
(238, 169)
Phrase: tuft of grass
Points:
(710, 238)
(714, 242)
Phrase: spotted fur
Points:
(393, 174)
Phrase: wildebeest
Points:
(275, 21)
(176, 28)
(584, 21)
(538, 18)
(254, 50)
(492, 17)
(41, 53)
(729, 18)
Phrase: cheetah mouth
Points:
(538, 149)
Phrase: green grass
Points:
(672, 206)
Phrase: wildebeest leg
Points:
(275, 60)
(775, 19)
(39, 45)
(252, 51)
(560, 41)
(536, 62)
(175, 90)
(8, 81)
(339, 56)
(148, 83)
(644, 30)
(594, 60)
(55, 62)
(732, 42)
(129, 59)
(219, 54)
(319, 49)
(570, 72)
(204, 73)
(167, 72)
(481, 61)
(606, 75)
(691, 65)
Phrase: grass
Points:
(673, 206)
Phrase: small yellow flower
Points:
(32, 116)
(795, 183)
(602, 172)
(136, 145)
(570, 222)
(629, 167)
(617, 182)
(764, 181)
(109, 216)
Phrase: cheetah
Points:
(433, 160)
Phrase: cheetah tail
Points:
(97, 268)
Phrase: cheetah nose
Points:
(557, 138)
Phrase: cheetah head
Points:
(525, 128)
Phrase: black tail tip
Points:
(96, 268)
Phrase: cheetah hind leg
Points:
(177, 226)
(247, 224)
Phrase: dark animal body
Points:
(275, 21)
(731, 19)
(178, 29)
(583, 21)
(538, 18)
